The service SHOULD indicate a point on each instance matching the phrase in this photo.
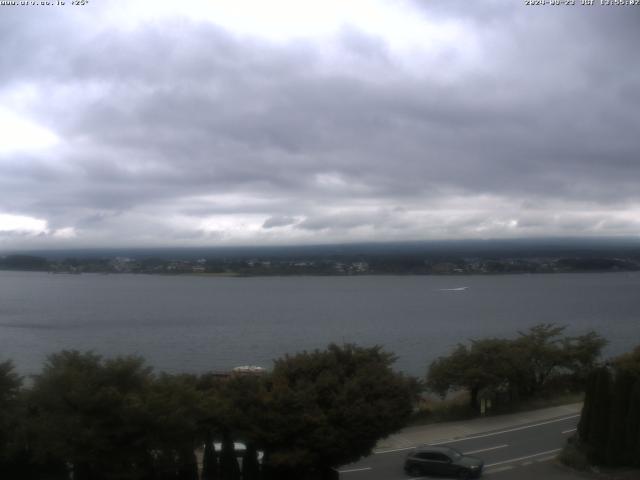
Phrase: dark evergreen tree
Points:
(250, 464)
(628, 365)
(616, 451)
(600, 419)
(229, 468)
(267, 471)
(609, 428)
(11, 453)
(631, 430)
(166, 465)
(588, 410)
(188, 464)
(210, 469)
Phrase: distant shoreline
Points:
(281, 275)
(334, 265)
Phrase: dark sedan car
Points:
(441, 460)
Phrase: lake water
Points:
(194, 324)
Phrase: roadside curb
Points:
(443, 432)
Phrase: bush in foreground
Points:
(92, 418)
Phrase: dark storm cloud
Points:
(190, 122)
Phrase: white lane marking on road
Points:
(569, 431)
(500, 469)
(523, 458)
(394, 450)
(351, 470)
(505, 431)
(485, 449)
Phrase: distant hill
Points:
(512, 248)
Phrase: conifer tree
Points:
(209, 460)
(632, 427)
(10, 384)
(586, 418)
(599, 421)
(250, 465)
(619, 409)
(229, 468)
(188, 468)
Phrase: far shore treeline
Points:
(92, 418)
(421, 258)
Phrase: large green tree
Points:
(10, 384)
(174, 411)
(11, 419)
(485, 365)
(543, 353)
(519, 368)
(323, 409)
(90, 413)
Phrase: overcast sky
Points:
(206, 123)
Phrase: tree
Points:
(616, 451)
(214, 418)
(326, 408)
(450, 372)
(229, 468)
(599, 421)
(628, 366)
(588, 409)
(10, 384)
(488, 364)
(187, 463)
(88, 413)
(10, 422)
(520, 367)
(250, 464)
(632, 428)
(609, 428)
(209, 459)
(541, 351)
(629, 362)
(241, 404)
(582, 352)
(174, 409)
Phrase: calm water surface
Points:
(188, 323)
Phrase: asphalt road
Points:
(510, 453)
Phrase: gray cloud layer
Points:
(180, 131)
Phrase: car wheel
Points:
(414, 471)
(464, 474)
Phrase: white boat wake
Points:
(459, 289)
